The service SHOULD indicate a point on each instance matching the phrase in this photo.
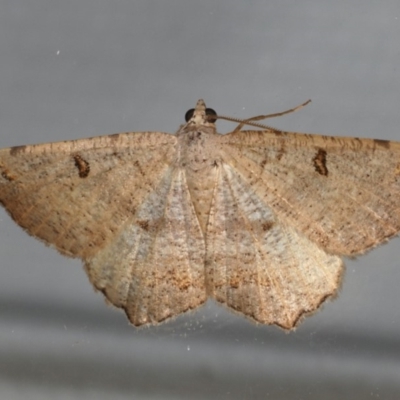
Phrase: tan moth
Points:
(257, 220)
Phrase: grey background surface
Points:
(79, 68)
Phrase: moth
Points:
(257, 220)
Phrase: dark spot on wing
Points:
(319, 162)
(267, 225)
(82, 165)
(144, 224)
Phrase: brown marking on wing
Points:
(82, 165)
(319, 162)
(144, 224)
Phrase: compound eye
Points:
(210, 114)
(189, 114)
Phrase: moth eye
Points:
(189, 114)
(210, 113)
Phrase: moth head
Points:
(200, 115)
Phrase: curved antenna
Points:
(250, 121)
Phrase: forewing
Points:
(341, 193)
(77, 195)
(154, 268)
(258, 265)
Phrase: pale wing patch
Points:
(154, 269)
(258, 265)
